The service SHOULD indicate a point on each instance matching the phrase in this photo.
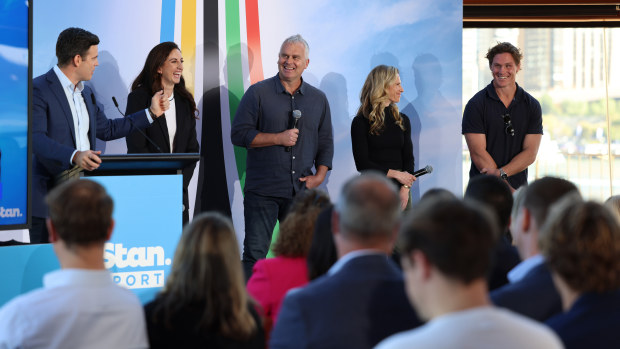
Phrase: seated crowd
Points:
(538, 268)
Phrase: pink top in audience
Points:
(272, 278)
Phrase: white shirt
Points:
(479, 328)
(349, 256)
(76, 308)
(78, 110)
(171, 121)
(520, 270)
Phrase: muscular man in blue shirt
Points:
(502, 123)
(280, 157)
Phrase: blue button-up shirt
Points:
(267, 107)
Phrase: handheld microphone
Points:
(423, 171)
(296, 117)
(134, 126)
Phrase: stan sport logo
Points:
(146, 258)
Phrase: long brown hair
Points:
(374, 95)
(151, 79)
(207, 272)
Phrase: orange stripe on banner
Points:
(188, 42)
(254, 53)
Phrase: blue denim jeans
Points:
(261, 213)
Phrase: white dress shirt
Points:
(76, 308)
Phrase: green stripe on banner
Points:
(235, 86)
(235, 75)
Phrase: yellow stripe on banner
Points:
(188, 42)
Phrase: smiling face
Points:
(504, 70)
(292, 62)
(172, 69)
(87, 63)
(394, 90)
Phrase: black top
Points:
(185, 335)
(267, 107)
(391, 149)
(483, 114)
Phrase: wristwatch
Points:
(503, 174)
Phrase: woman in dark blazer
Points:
(380, 134)
(175, 131)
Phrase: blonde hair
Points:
(373, 96)
(207, 271)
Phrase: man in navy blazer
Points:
(531, 291)
(362, 298)
(67, 119)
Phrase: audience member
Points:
(362, 299)
(322, 254)
(531, 291)
(496, 194)
(613, 203)
(273, 277)
(204, 303)
(447, 247)
(438, 192)
(79, 305)
(581, 244)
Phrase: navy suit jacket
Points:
(534, 296)
(592, 322)
(356, 307)
(53, 135)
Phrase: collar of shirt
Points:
(66, 83)
(66, 277)
(517, 273)
(280, 87)
(493, 94)
(351, 255)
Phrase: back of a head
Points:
(581, 243)
(81, 212)
(295, 235)
(541, 194)
(493, 192)
(322, 254)
(206, 271)
(368, 208)
(457, 237)
(438, 193)
(613, 203)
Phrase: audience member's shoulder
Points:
(403, 340)
(540, 335)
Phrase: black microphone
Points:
(296, 117)
(134, 125)
(92, 98)
(423, 171)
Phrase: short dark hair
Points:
(581, 243)
(493, 192)
(457, 237)
(72, 42)
(504, 47)
(81, 212)
(541, 194)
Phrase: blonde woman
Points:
(204, 303)
(380, 134)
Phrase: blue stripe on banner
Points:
(167, 21)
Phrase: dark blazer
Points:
(356, 307)
(185, 140)
(53, 135)
(534, 296)
(592, 322)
